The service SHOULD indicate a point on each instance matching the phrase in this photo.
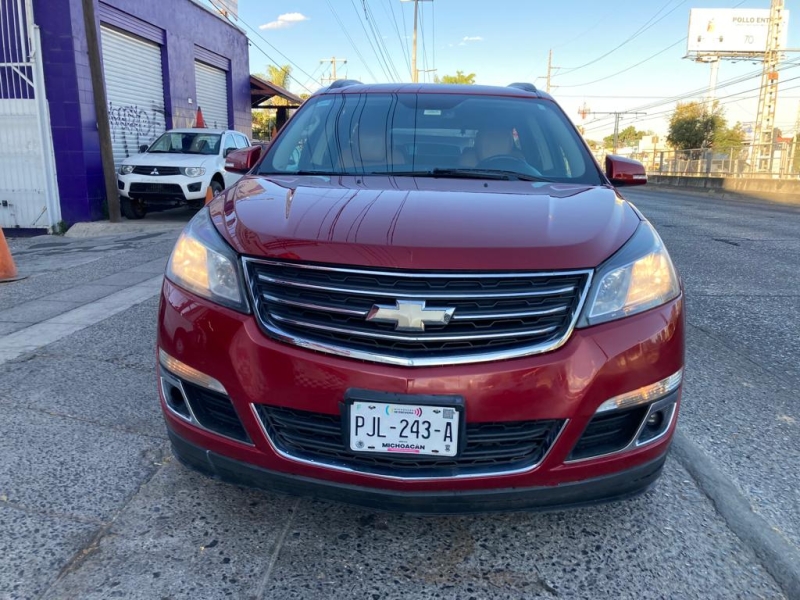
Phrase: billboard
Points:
(721, 30)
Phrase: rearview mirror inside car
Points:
(625, 171)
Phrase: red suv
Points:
(426, 298)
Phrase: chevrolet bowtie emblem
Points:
(410, 315)
(154, 171)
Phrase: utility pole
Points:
(333, 60)
(101, 111)
(414, 70)
(768, 97)
(549, 77)
(617, 116)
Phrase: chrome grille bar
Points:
(413, 295)
(495, 316)
(413, 338)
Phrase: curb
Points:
(787, 200)
(780, 558)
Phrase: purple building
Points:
(161, 60)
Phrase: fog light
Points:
(654, 420)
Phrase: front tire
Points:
(133, 209)
(216, 188)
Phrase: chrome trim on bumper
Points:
(346, 469)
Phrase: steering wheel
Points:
(508, 162)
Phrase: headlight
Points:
(203, 263)
(125, 169)
(193, 171)
(638, 277)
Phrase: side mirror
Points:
(143, 148)
(625, 171)
(228, 151)
(241, 161)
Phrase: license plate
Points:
(404, 428)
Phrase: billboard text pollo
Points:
(713, 30)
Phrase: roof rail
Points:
(528, 87)
(340, 83)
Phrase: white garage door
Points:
(212, 95)
(135, 90)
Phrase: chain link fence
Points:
(776, 161)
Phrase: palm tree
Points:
(264, 120)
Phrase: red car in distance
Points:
(426, 298)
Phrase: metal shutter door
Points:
(212, 95)
(135, 90)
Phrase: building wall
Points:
(69, 89)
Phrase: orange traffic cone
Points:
(209, 194)
(8, 270)
(199, 121)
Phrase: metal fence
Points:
(778, 161)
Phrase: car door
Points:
(228, 145)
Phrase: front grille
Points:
(488, 448)
(156, 188)
(156, 171)
(327, 307)
(608, 433)
(215, 412)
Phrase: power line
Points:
(350, 39)
(422, 35)
(625, 70)
(289, 60)
(369, 16)
(383, 66)
(727, 83)
(648, 24)
(733, 98)
(403, 45)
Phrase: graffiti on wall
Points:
(133, 125)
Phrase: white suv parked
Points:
(177, 169)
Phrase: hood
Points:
(424, 223)
(158, 159)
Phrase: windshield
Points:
(438, 135)
(187, 143)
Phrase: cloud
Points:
(469, 39)
(285, 20)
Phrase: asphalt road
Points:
(93, 506)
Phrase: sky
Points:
(596, 47)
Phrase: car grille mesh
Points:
(493, 311)
(156, 171)
(607, 433)
(489, 447)
(156, 188)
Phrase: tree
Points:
(459, 77)
(692, 126)
(629, 136)
(279, 75)
(264, 120)
(729, 137)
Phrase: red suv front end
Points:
(386, 313)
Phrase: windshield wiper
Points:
(309, 173)
(498, 174)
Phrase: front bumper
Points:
(607, 488)
(568, 384)
(168, 188)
